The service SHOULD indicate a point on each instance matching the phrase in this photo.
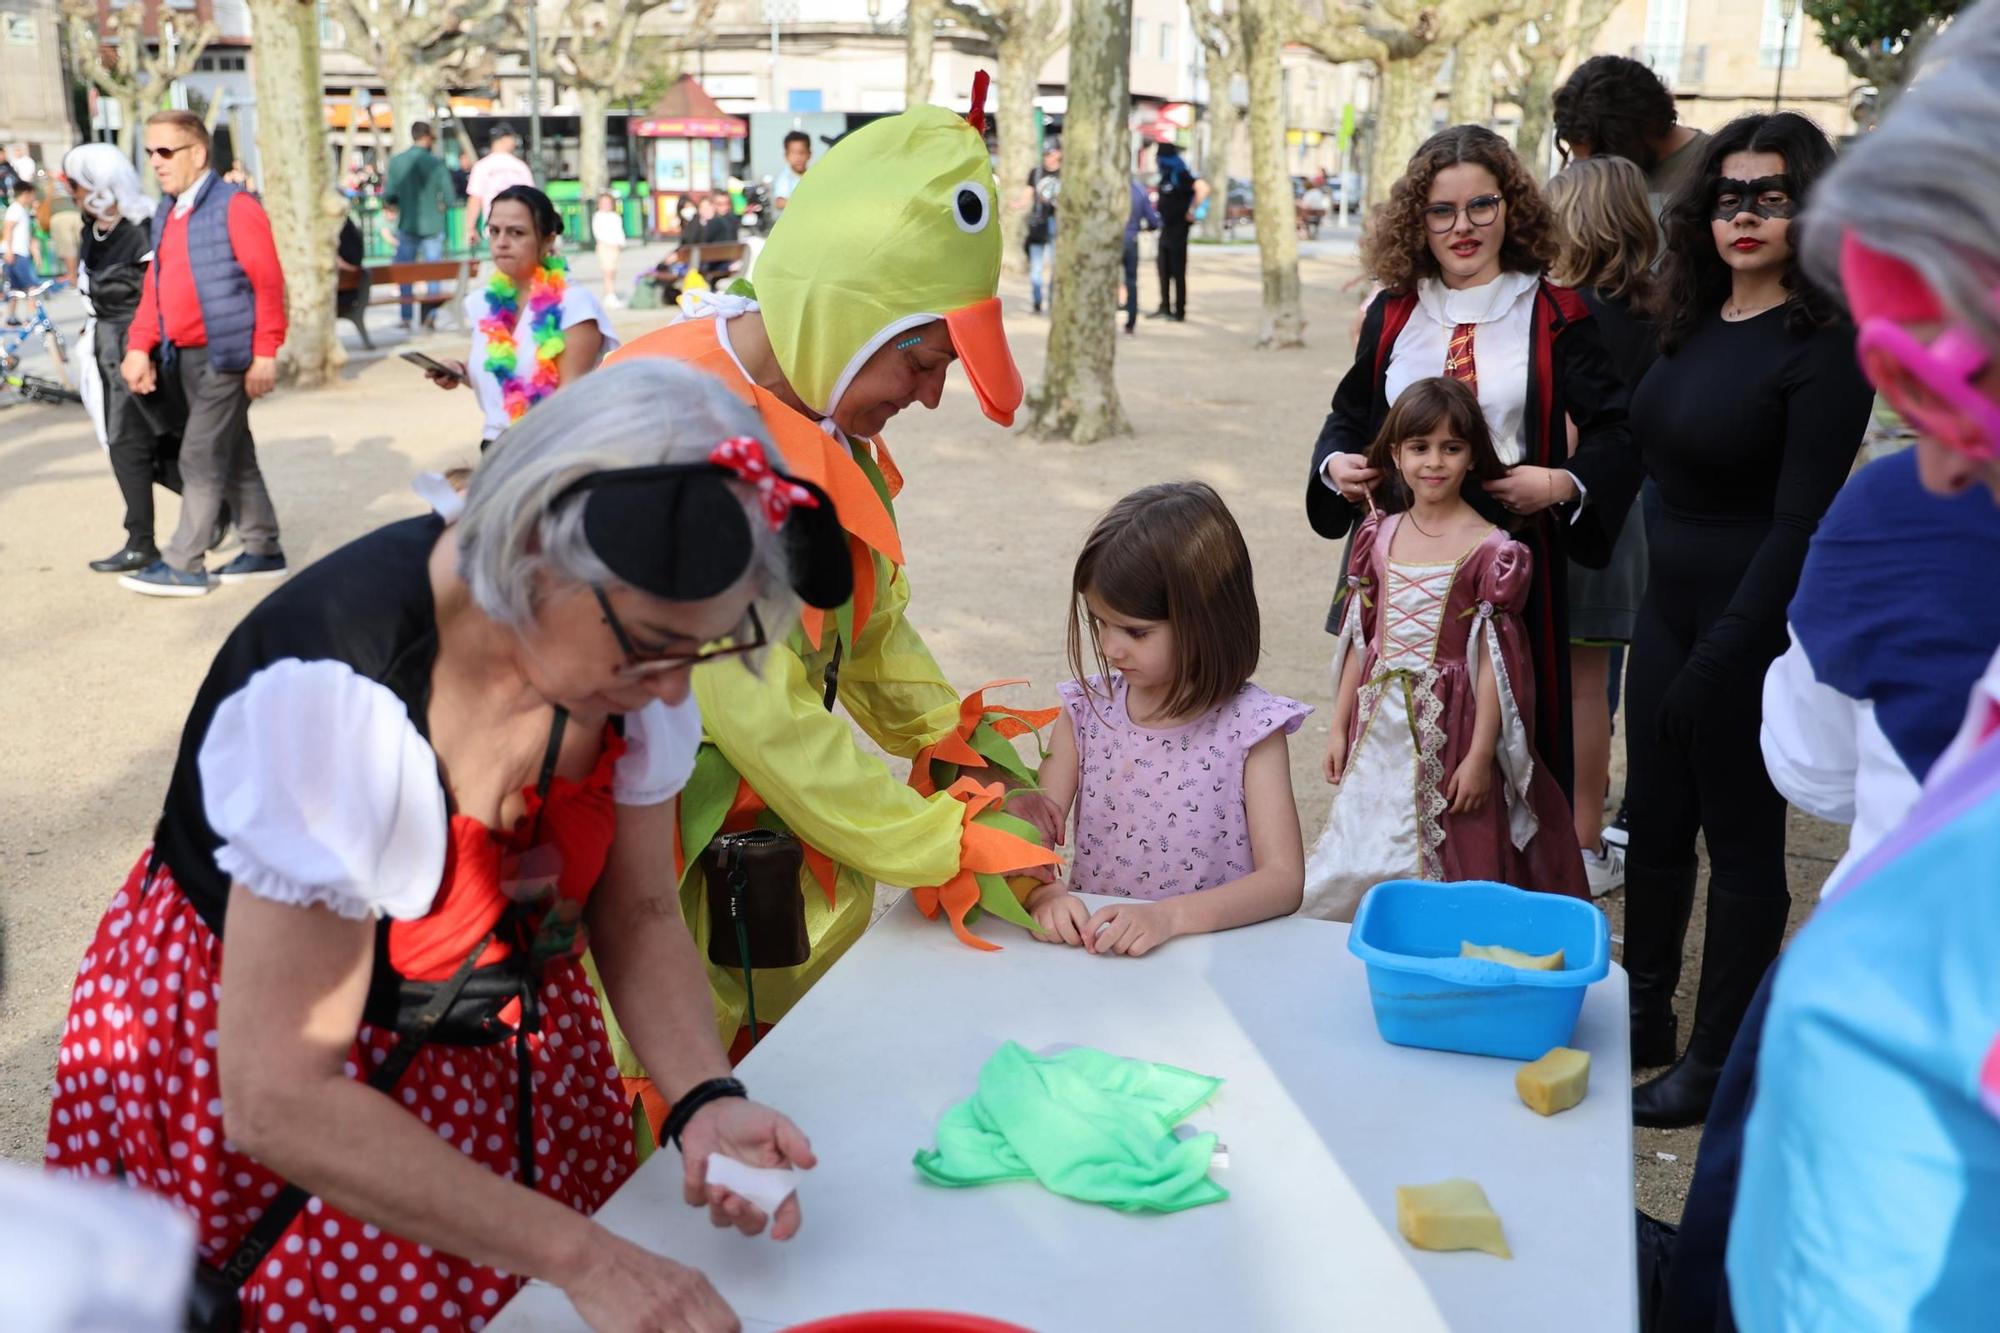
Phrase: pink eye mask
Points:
(1887, 294)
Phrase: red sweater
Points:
(250, 237)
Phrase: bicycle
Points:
(37, 388)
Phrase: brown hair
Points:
(1421, 409)
(1604, 222)
(1173, 553)
(187, 122)
(1396, 250)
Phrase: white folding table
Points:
(1321, 1120)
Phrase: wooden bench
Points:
(380, 284)
(694, 257)
(715, 252)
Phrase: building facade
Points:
(34, 91)
(1723, 58)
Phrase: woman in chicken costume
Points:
(882, 272)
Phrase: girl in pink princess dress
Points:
(1431, 746)
(1173, 759)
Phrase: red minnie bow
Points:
(745, 456)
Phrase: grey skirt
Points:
(1604, 603)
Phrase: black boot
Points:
(1744, 932)
(1657, 904)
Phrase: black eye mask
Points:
(1732, 197)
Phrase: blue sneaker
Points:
(246, 568)
(161, 579)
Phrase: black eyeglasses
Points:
(164, 153)
(640, 664)
(1480, 212)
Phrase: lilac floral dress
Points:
(1159, 811)
(1425, 632)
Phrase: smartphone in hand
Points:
(431, 365)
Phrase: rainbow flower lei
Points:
(503, 304)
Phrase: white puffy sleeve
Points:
(660, 745)
(323, 792)
(1810, 738)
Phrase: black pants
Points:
(1716, 786)
(1173, 269)
(1131, 283)
(141, 456)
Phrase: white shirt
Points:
(1828, 755)
(18, 232)
(184, 203)
(496, 172)
(787, 181)
(578, 307)
(323, 791)
(1504, 312)
(607, 228)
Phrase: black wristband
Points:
(700, 1095)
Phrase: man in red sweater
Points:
(211, 318)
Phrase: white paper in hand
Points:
(765, 1186)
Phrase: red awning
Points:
(687, 112)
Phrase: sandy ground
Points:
(96, 681)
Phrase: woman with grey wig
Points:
(418, 780)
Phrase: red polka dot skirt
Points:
(136, 1091)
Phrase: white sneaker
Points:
(1605, 870)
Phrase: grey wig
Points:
(636, 414)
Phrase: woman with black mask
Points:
(1749, 422)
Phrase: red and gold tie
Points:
(1458, 361)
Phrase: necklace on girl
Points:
(501, 325)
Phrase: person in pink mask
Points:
(1869, 1191)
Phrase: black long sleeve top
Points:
(1749, 420)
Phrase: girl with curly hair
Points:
(1461, 250)
(1749, 422)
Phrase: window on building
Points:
(1666, 36)
(1778, 36)
(1166, 42)
(1139, 35)
(20, 29)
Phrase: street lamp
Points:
(1789, 9)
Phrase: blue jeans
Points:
(427, 248)
(1039, 257)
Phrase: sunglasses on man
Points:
(162, 154)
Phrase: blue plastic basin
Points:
(1408, 932)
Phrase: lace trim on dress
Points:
(1426, 708)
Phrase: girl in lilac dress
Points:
(1432, 747)
(1173, 759)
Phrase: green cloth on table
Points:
(1089, 1126)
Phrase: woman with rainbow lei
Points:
(845, 327)
(532, 331)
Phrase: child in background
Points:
(1174, 760)
(1437, 773)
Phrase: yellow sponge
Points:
(1500, 953)
(1450, 1215)
(1555, 1082)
